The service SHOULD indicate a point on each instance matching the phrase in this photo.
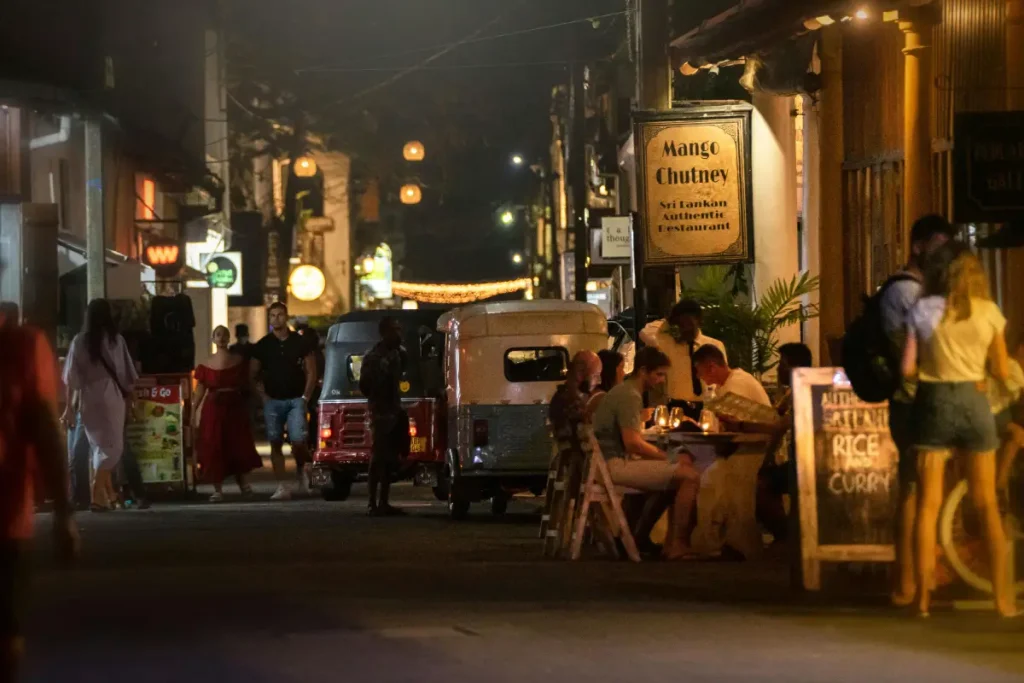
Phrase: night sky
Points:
(472, 107)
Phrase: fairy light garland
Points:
(457, 294)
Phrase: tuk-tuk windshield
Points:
(349, 342)
(537, 364)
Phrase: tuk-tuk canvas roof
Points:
(516, 318)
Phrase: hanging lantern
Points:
(413, 151)
(307, 283)
(305, 167)
(411, 194)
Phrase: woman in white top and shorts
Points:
(954, 332)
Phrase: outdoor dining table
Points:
(727, 500)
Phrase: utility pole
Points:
(95, 231)
(654, 80)
(577, 172)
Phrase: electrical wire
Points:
(535, 29)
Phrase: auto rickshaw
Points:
(345, 439)
(503, 362)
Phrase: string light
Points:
(457, 293)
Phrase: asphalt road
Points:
(312, 591)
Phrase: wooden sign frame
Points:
(730, 121)
(812, 554)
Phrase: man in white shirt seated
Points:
(726, 502)
(679, 337)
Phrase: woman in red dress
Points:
(225, 446)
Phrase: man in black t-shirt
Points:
(284, 372)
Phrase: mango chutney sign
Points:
(694, 174)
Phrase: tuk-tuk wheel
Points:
(340, 488)
(458, 506)
(499, 504)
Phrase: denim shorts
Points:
(279, 412)
(953, 415)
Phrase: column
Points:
(95, 231)
(832, 292)
(917, 116)
(773, 158)
(812, 217)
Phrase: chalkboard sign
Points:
(846, 471)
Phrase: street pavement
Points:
(313, 591)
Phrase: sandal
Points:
(94, 507)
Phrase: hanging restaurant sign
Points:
(164, 256)
(693, 170)
(988, 183)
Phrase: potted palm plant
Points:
(749, 329)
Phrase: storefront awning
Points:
(751, 26)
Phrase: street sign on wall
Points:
(224, 271)
(988, 167)
(693, 170)
(615, 239)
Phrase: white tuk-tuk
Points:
(503, 362)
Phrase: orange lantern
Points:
(411, 194)
(413, 151)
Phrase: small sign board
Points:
(846, 473)
(224, 271)
(988, 167)
(694, 176)
(318, 225)
(615, 237)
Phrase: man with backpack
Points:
(871, 355)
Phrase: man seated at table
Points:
(726, 518)
(635, 463)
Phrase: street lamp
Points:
(507, 218)
(305, 167)
(517, 258)
(413, 151)
(411, 194)
(517, 160)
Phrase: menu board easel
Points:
(846, 473)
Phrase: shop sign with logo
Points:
(615, 240)
(988, 167)
(693, 169)
(224, 271)
(164, 256)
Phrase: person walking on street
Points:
(380, 382)
(284, 373)
(679, 337)
(954, 332)
(99, 376)
(30, 443)
(224, 443)
(242, 346)
(898, 295)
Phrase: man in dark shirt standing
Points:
(284, 372)
(380, 381)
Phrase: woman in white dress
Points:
(99, 376)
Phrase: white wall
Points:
(773, 157)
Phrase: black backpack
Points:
(871, 362)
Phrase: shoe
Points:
(217, 497)
(303, 490)
(247, 493)
(374, 511)
(282, 493)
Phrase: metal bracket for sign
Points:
(812, 553)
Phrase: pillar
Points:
(832, 294)
(773, 158)
(95, 231)
(917, 117)
(812, 218)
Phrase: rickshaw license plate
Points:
(418, 445)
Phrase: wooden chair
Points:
(600, 510)
(560, 502)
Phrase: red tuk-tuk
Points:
(345, 438)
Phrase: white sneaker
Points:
(217, 497)
(303, 489)
(282, 493)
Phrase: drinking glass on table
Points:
(661, 417)
(708, 421)
(676, 417)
